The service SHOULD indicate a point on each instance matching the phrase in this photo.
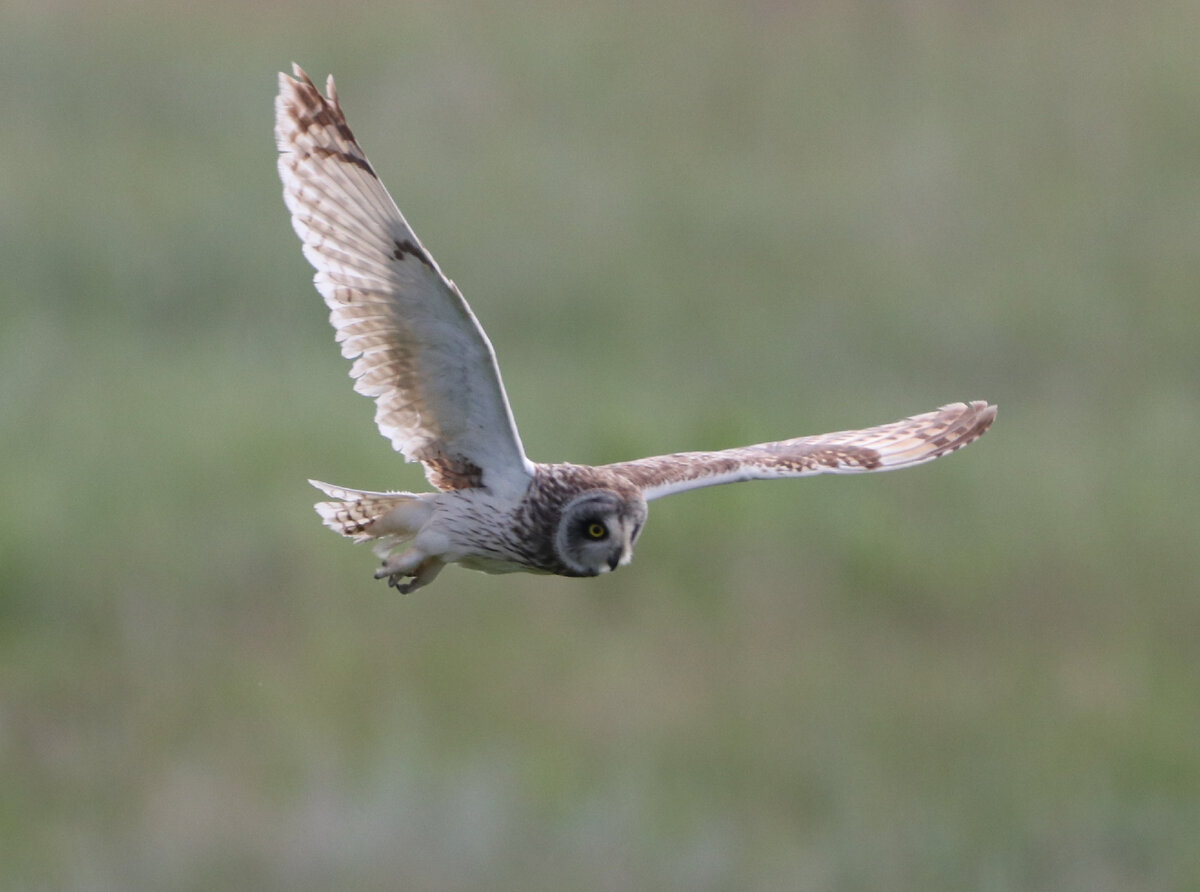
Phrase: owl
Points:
(420, 354)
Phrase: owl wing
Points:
(419, 351)
(901, 444)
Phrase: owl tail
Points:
(389, 517)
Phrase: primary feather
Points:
(901, 444)
(418, 350)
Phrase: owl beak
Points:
(623, 557)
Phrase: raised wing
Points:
(418, 349)
(902, 444)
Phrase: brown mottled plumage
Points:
(420, 353)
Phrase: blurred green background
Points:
(685, 226)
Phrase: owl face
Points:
(597, 531)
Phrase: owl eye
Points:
(597, 530)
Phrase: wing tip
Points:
(935, 434)
(300, 81)
(300, 99)
(981, 414)
(299, 78)
(962, 424)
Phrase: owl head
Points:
(597, 531)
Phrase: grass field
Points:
(685, 226)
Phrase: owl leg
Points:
(425, 573)
(413, 562)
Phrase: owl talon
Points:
(395, 578)
(422, 573)
(402, 587)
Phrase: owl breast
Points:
(482, 531)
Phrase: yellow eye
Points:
(597, 530)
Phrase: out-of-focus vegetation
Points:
(685, 225)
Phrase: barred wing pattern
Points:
(417, 348)
(901, 444)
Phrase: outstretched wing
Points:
(902, 444)
(418, 349)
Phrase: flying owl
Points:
(421, 355)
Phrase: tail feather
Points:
(362, 515)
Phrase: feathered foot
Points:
(422, 568)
